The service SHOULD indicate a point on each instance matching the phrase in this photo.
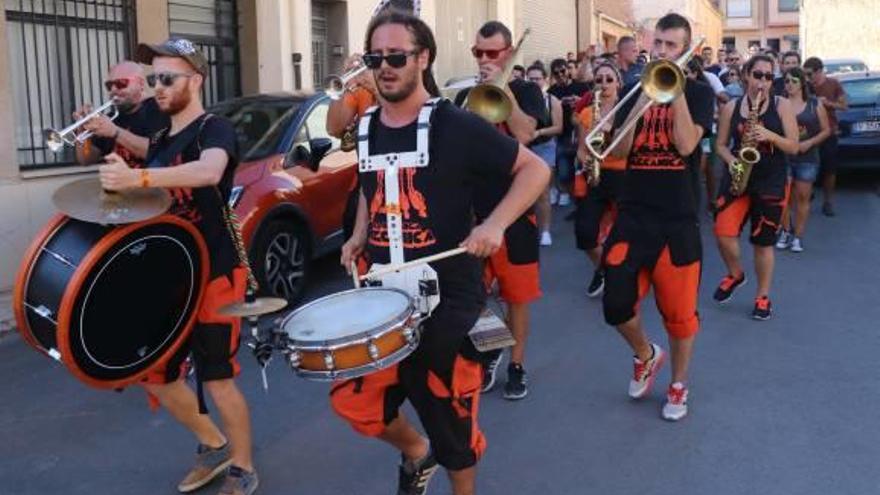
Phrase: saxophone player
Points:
(763, 128)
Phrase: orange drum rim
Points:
(24, 275)
(77, 280)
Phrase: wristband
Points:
(145, 178)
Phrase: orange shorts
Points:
(517, 284)
(447, 407)
(214, 339)
(763, 212)
(676, 289)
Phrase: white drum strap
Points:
(391, 164)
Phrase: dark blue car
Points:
(860, 125)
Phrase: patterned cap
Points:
(173, 47)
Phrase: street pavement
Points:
(787, 406)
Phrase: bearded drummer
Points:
(196, 158)
(456, 153)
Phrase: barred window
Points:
(59, 53)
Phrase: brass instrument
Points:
(55, 140)
(661, 81)
(489, 99)
(748, 155)
(348, 142)
(597, 142)
(335, 86)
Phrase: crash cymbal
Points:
(85, 200)
(257, 307)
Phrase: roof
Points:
(853, 76)
(838, 61)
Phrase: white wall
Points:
(841, 29)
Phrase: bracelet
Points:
(145, 178)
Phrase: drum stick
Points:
(354, 275)
(410, 264)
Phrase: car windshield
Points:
(844, 67)
(862, 92)
(259, 125)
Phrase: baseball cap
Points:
(173, 47)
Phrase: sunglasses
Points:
(808, 73)
(767, 76)
(606, 80)
(116, 83)
(395, 60)
(165, 78)
(733, 60)
(490, 54)
(792, 80)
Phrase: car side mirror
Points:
(320, 148)
(301, 156)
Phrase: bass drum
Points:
(111, 302)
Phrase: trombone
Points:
(489, 99)
(336, 85)
(55, 140)
(662, 81)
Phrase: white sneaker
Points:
(546, 239)
(784, 241)
(645, 373)
(676, 402)
(796, 245)
(564, 199)
(554, 196)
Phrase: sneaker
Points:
(676, 402)
(796, 246)
(564, 199)
(546, 239)
(239, 482)
(784, 241)
(489, 372)
(515, 389)
(597, 285)
(645, 373)
(554, 196)
(414, 479)
(210, 463)
(763, 308)
(727, 287)
(828, 210)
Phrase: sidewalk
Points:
(7, 320)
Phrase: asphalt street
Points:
(787, 406)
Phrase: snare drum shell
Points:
(64, 291)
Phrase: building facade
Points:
(841, 29)
(705, 18)
(765, 23)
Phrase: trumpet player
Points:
(764, 129)
(655, 240)
(127, 135)
(596, 205)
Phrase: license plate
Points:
(871, 126)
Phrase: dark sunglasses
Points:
(732, 60)
(757, 74)
(165, 78)
(808, 73)
(561, 71)
(490, 54)
(116, 83)
(394, 60)
(792, 80)
(606, 80)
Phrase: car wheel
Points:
(282, 258)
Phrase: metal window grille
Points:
(319, 44)
(212, 25)
(59, 53)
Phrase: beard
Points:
(408, 87)
(176, 102)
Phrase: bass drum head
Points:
(340, 317)
(133, 301)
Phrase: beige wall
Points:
(248, 44)
(8, 163)
(841, 29)
(706, 20)
(152, 20)
(553, 29)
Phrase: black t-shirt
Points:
(146, 121)
(575, 88)
(203, 206)
(778, 87)
(659, 181)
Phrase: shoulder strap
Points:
(177, 147)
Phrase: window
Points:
(773, 44)
(729, 43)
(61, 51)
(862, 92)
(259, 125)
(739, 8)
(317, 123)
(789, 5)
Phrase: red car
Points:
(291, 186)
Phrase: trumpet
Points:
(661, 81)
(336, 85)
(489, 99)
(55, 140)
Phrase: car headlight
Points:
(235, 196)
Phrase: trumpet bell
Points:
(334, 87)
(662, 81)
(54, 141)
(490, 102)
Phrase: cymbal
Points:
(85, 200)
(259, 306)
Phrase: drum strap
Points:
(391, 164)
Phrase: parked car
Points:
(290, 188)
(843, 65)
(859, 130)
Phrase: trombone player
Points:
(515, 265)
(655, 240)
(129, 134)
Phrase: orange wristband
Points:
(145, 178)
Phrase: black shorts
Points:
(763, 212)
(595, 213)
(828, 156)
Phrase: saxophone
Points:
(748, 156)
(593, 167)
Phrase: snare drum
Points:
(352, 333)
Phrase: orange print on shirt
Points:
(413, 208)
(652, 147)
